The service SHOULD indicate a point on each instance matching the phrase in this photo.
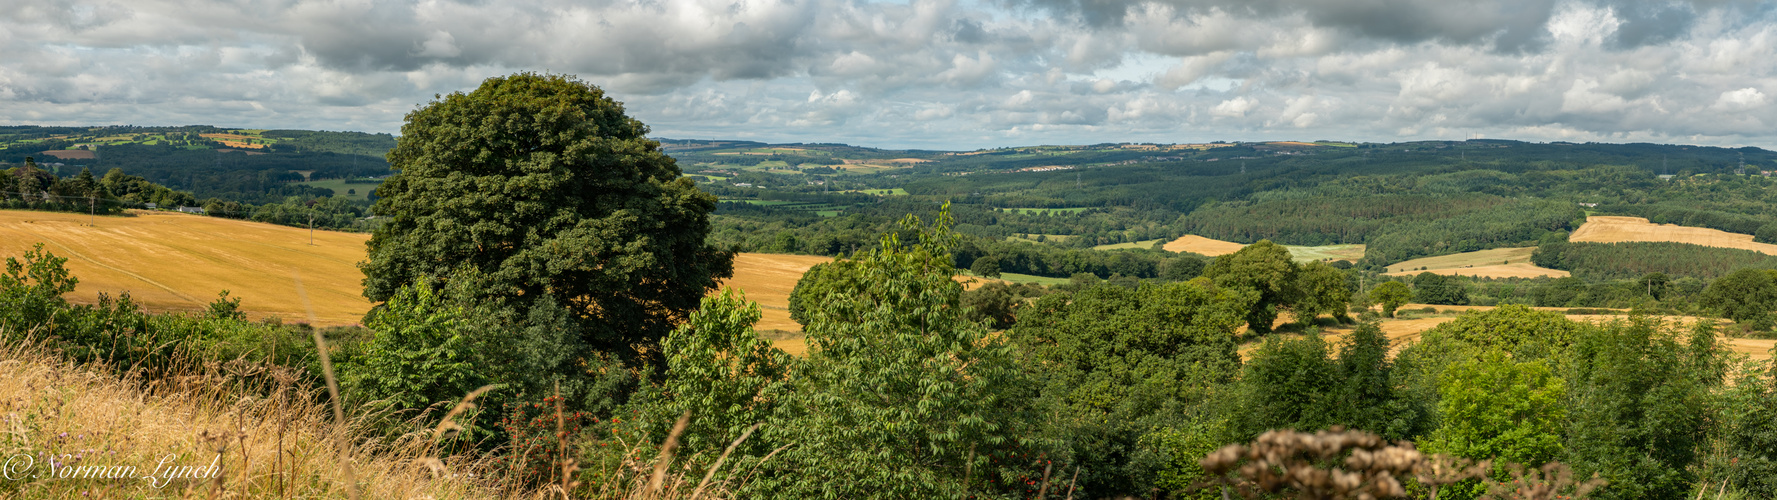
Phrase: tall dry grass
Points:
(269, 435)
(281, 445)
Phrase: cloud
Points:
(926, 73)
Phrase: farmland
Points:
(1212, 247)
(1611, 229)
(178, 262)
(1513, 262)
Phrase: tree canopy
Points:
(544, 187)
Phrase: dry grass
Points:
(1608, 229)
(279, 447)
(768, 280)
(1212, 247)
(1494, 263)
(1198, 244)
(178, 262)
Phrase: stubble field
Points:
(1612, 229)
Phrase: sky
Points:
(931, 74)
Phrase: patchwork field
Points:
(170, 261)
(1494, 263)
(1212, 247)
(1612, 229)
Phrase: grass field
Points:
(1046, 210)
(1610, 229)
(1494, 263)
(1327, 252)
(1129, 245)
(341, 188)
(170, 261)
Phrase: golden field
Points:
(1611, 229)
(1198, 244)
(1214, 248)
(170, 261)
(1494, 263)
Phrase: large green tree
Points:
(1265, 267)
(545, 188)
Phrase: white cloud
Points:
(928, 73)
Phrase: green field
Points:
(1334, 252)
(1136, 245)
(881, 192)
(1026, 278)
(340, 188)
(1046, 210)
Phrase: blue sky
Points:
(938, 74)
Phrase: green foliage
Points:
(1747, 296)
(998, 303)
(901, 395)
(1747, 435)
(1119, 364)
(1629, 260)
(1496, 409)
(419, 356)
(1523, 332)
(1429, 288)
(1181, 268)
(1324, 290)
(1391, 295)
(1366, 397)
(1264, 267)
(987, 267)
(543, 185)
(1637, 408)
(1287, 384)
(720, 371)
(31, 291)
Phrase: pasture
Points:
(342, 189)
(1494, 263)
(1132, 245)
(1614, 229)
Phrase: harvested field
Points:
(72, 154)
(1612, 229)
(1495, 263)
(768, 280)
(171, 261)
(1211, 247)
(1198, 244)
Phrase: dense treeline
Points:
(1307, 219)
(1606, 261)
